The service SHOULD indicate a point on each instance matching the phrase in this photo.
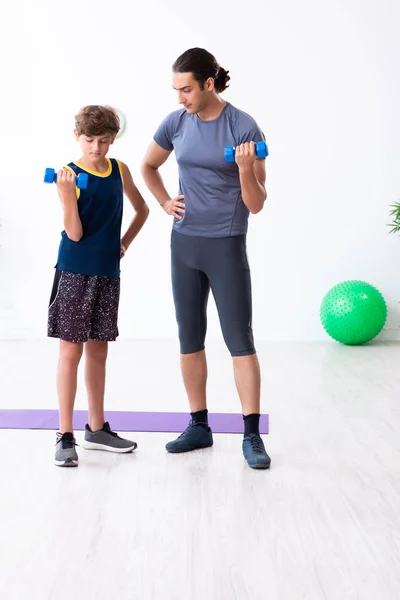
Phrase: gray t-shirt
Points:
(213, 200)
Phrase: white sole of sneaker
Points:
(66, 463)
(93, 446)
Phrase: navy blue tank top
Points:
(100, 208)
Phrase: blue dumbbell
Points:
(50, 176)
(261, 151)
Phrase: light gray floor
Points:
(324, 523)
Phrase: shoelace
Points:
(187, 431)
(107, 429)
(256, 444)
(66, 444)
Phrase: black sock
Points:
(200, 417)
(251, 424)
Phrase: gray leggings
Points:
(198, 264)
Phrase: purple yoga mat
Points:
(126, 421)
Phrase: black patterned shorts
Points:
(83, 307)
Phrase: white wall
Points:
(320, 78)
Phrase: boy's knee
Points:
(71, 351)
(96, 349)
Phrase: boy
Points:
(83, 308)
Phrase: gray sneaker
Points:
(66, 455)
(105, 439)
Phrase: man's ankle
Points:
(200, 417)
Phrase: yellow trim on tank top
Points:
(120, 170)
(106, 174)
(77, 190)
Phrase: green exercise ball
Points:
(353, 312)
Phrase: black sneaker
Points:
(195, 436)
(66, 455)
(255, 453)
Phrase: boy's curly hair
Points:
(97, 120)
